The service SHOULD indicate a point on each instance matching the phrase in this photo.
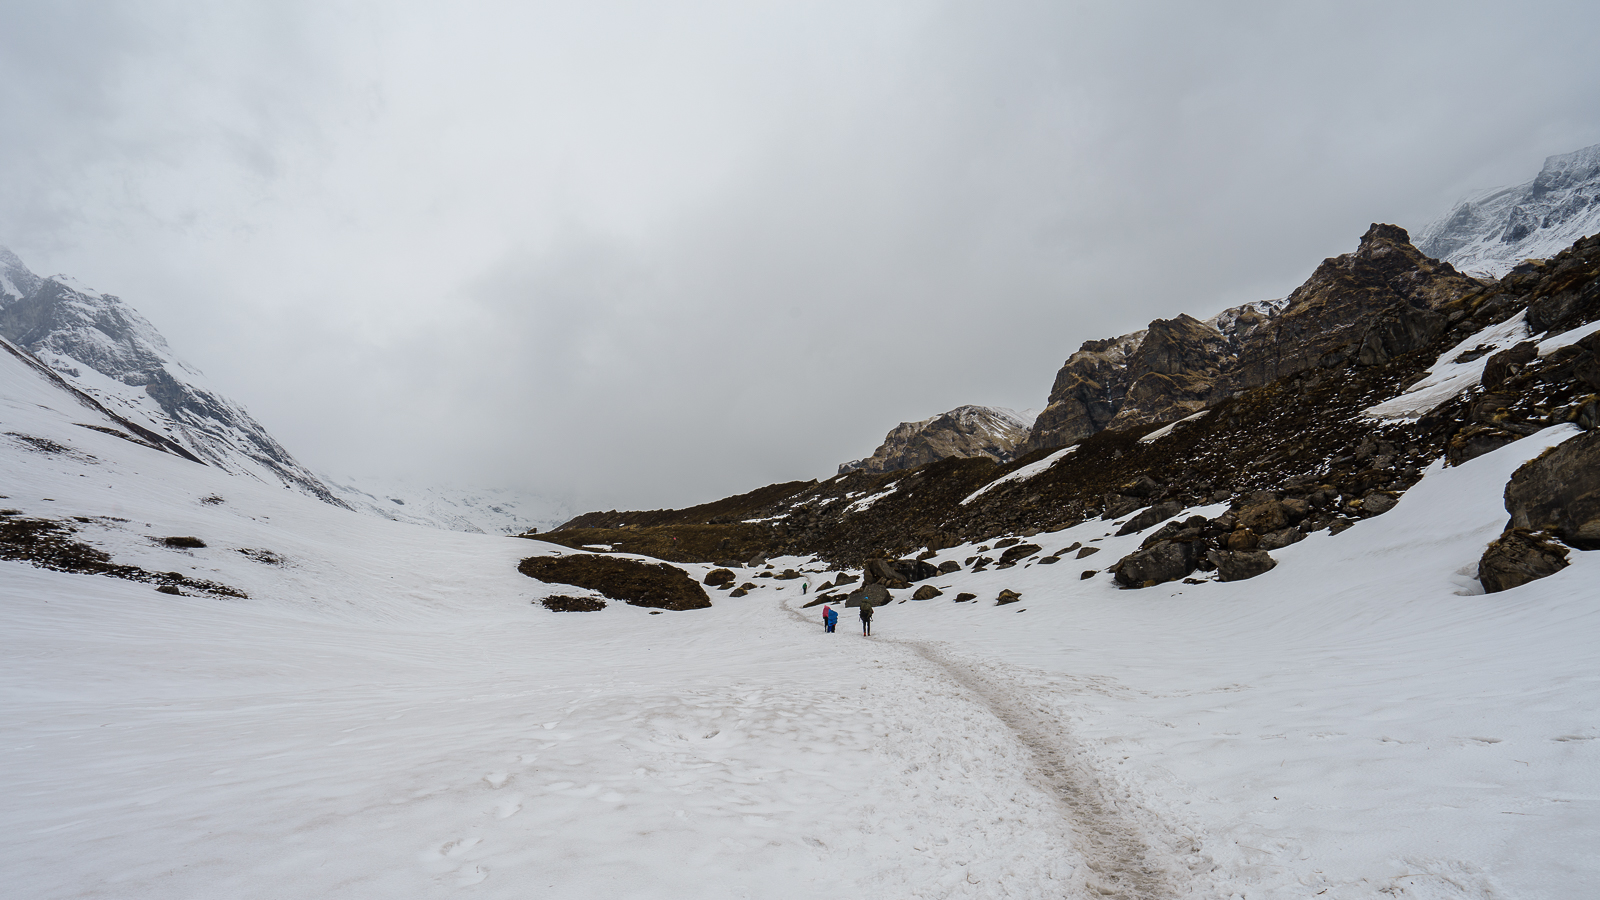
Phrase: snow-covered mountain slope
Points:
(1490, 232)
(109, 351)
(964, 432)
(386, 713)
(483, 511)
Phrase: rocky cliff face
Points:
(1384, 294)
(104, 348)
(1490, 232)
(963, 432)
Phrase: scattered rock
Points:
(1280, 538)
(1237, 565)
(927, 592)
(1087, 551)
(185, 543)
(739, 592)
(787, 575)
(1166, 561)
(1158, 513)
(1242, 539)
(719, 577)
(1518, 557)
(872, 594)
(948, 566)
(1087, 574)
(1377, 503)
(1475, 440)
(963, 598)
(1049, 560)
(1007, 596)
(1507, 363)
(1263, 516)
(1017, 552)
(170, 589)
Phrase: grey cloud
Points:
(644, 256)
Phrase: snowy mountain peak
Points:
(1491, 231)
(107, 350)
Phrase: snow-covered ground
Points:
(390, 715)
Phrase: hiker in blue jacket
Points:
(830, 618)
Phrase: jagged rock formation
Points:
(1491, 232)
(108, 351)
(964, 432)
(1306, 452)
(1180, 366)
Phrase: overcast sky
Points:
(636, 254)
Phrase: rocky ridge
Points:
(964, 432)
(1492, 231)
(105, 349)
(1178, 367)
(1291, 440)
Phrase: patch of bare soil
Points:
(562, 603)
(48, 544)
(654, 585)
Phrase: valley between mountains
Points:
(1293, 601)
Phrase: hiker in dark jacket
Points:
(866, 617)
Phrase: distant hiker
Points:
(830, 618)
(804, 585)
(866, 616)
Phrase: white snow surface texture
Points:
(389, 715)
(1491, 231)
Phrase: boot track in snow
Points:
(1112, 846)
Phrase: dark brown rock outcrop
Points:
(1559, 492)
(1518, 557)
(1371, 306)
(654, 585)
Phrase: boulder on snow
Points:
(1087, 551)
(1559, 492)
(964, 597)
(1280, 538)
(1377, 503)
(948, 566)
(1158, 513)
(1238, 565)
(1017, 552)
(897, 572)
(1507, 363)
(719, 577)
(869, 594)
(1474, 441)
(1242, 539)
(927, 592)
(1263, 516)
(1007, 596)
(1166, 561)
(1518, 557)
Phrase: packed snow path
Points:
(1116, 853)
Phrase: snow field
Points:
(390, 715)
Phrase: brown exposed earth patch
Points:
(654, 585)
